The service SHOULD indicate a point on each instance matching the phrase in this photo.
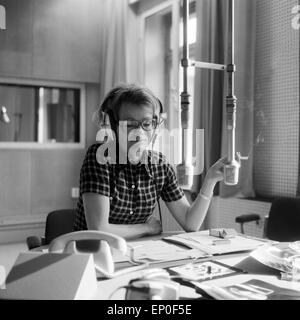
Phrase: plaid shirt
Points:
(132, 189)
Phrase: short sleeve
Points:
(171, 191)
(94, 177)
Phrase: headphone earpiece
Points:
(162, 115)
(103, 119)
(161, 108)
(106, 117)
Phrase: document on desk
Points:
(157, 251)
(253, 289)
(214, 246)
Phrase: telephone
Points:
(103, 258)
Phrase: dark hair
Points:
(126, 93)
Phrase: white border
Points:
(60, 84)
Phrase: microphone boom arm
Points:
(232, 165)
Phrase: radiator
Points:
(222, 214)
(18, 228)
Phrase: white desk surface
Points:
(107, 287)
(241, 260)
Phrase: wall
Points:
(51, 39)
(222, 214)
(35, 182)
(44, 40)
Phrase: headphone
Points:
(106, 117)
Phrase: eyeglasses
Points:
(147, 125)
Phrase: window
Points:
(42, 114)
(157, 55)
(162, 38)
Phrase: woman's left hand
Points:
(215, 173)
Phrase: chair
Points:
(247, 218)
(282, 223)
(57, 223)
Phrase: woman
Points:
(119, 195)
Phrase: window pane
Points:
(40, 114)
(157, 55)
(192, 31)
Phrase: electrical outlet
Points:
(75, 192)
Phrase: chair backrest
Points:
(59, 222)
(284, 220)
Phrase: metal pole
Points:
(3, 112)
(185, 97)
(231, 99)
(210, 66)
(231, 168)
(184, 171)
(232, 164)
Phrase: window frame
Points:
(48, 145)
(175, 55)
(175, 7)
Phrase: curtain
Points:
(114, 58)
(245, 29)
(209, 110)
(209, 85)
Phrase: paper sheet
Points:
(203, 241)
(159, 250)
(275, 257)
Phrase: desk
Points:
(243, 261)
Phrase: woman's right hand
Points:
(153, 226)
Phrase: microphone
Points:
(232, 166)
(231, 173)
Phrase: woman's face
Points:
(138, 139)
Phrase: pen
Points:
(221, 241)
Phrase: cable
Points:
(159, 209)
(157, 198)
(122, 271)
(122, 287)
(160, 217)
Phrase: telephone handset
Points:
(103, 258)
